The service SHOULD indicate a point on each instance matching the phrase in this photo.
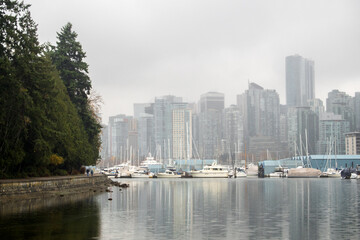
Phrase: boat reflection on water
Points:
(202, 208)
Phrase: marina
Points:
(310, 166)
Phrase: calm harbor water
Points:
(248, 208)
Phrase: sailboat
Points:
(304, 171)
(331, 172)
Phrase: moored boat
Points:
(239, 173)
(332, 173)
(140, 173)
(212, 171)
(279, 172)
(169, 173)
(301, 172)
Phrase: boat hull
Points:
(304, 173)
(139, 176)
(276, 175)
(164, 175)
(210, 174)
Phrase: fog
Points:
(140, 49)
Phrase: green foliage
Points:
(60, 172)
(18, 47)
(42, 130)
(68, 58)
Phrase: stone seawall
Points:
(37, 187)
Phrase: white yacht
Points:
(126, 170)
(169, 173)
(140, 172)
(212, 171)
(151, 164)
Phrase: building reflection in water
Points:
(248, 208)
(232, 208)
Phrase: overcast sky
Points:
(141, 49)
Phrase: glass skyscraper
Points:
(300, 81)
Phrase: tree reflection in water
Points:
(69, 217)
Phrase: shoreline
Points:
(49, 187)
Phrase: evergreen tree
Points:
(18, 47)
(40, 128)
(68, 58)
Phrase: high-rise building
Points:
(261, 110)
(332, 129)
(162, 110)
(119, 146)
(210, 124)
(181, 133)
(233, 127)
(300, 81)
(212, 101)
(352, 142)
(284, 132)
(317, 106)
(140, 108)
(303, 125)
(357, 111)
(145, 135)
(341, 103)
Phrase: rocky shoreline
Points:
(50, 187)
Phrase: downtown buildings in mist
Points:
(258, 127)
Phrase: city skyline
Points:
(140, 49)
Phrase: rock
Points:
(124, 185)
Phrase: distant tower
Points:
(332, 130)
(163, 107)
(341, 103)
(261, 110)
(352, 142)
(210, 122)
(182, 133)
(300, 81)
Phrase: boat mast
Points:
(170, 161)
(245, 153)
(301, 150)
(180, 151)
(335, 155)
(307, 151)
(187, 143)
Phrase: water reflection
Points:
(249, 208)
(233, 208)
(68, 217)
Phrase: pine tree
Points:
(68, 58)
(18, 47)
(40, 128)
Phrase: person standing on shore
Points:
(92, 172)
(87, 171)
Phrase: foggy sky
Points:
(140, 49)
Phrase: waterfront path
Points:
(51, 186)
